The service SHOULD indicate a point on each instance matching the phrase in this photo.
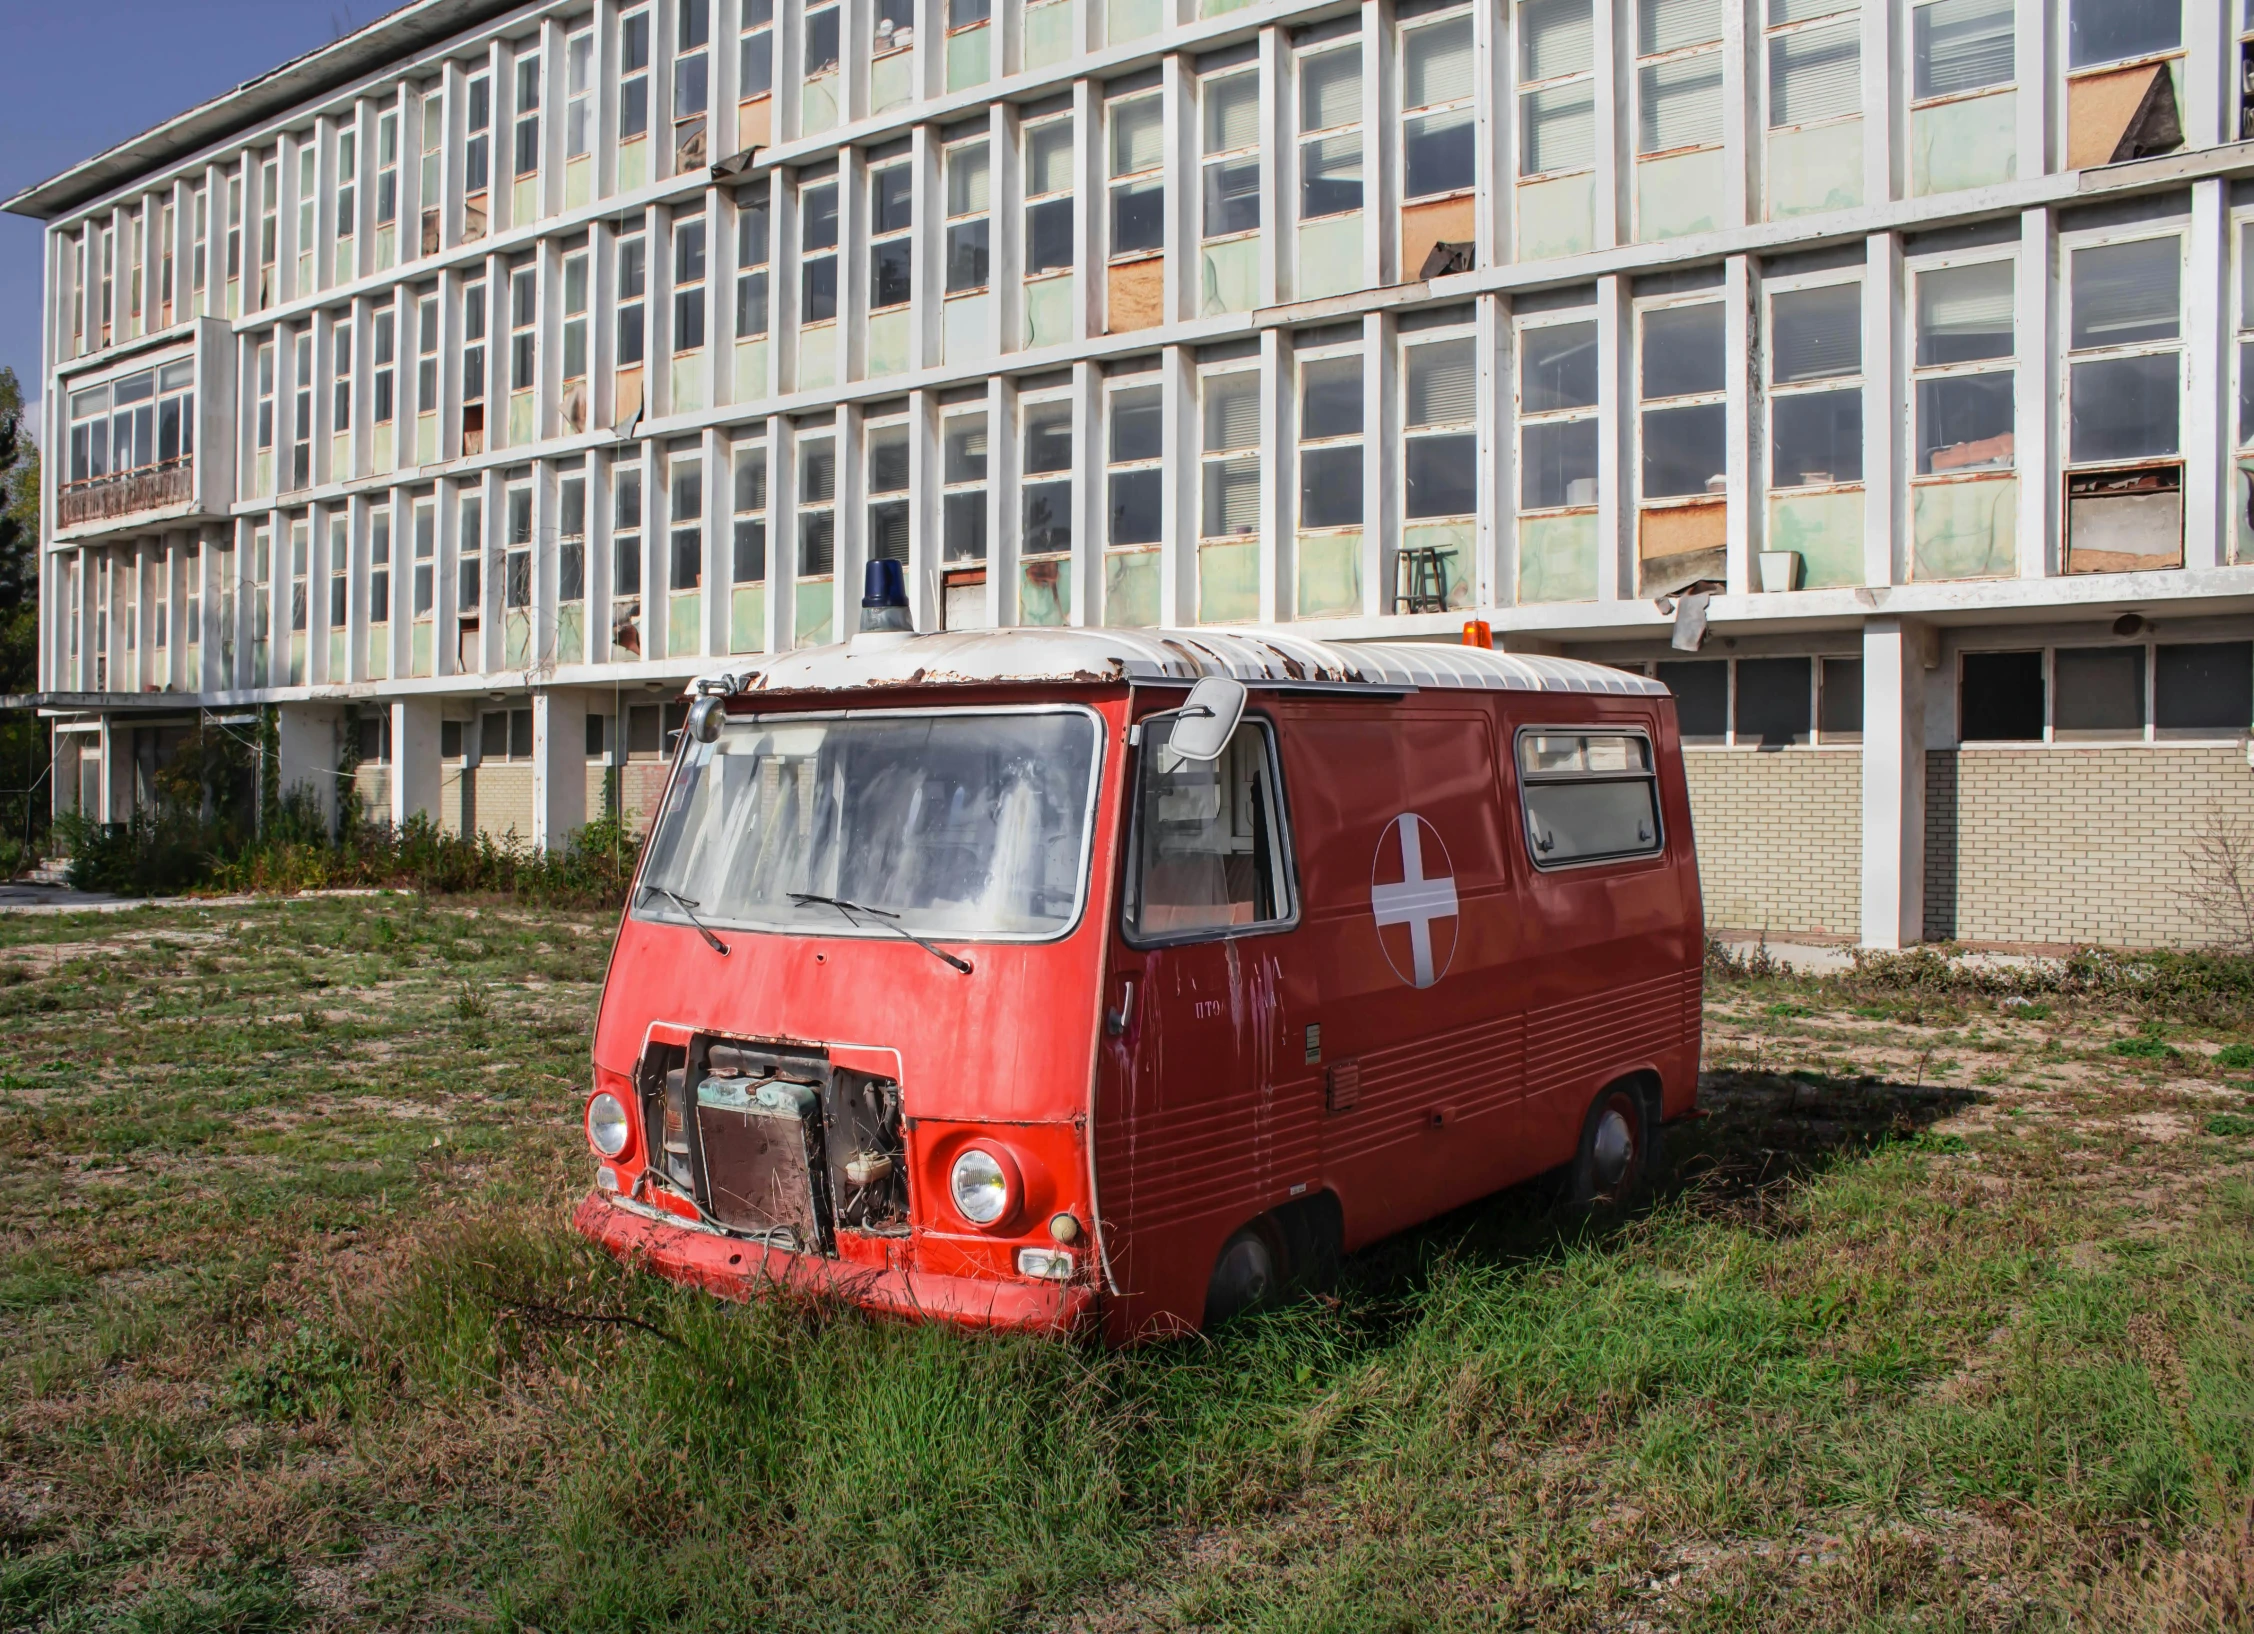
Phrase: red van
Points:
(1047, 978)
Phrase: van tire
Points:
(1616, 1149)
(1250, 1273)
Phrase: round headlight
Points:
(606, 1124)
(981, 1189)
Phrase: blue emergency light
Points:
(884, 597)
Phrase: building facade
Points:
(465, 386)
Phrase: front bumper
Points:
(735, 1268)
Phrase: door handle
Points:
(1116, 1020)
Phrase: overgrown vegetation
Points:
(24, 755)
(221, 821)
(1942, 1320)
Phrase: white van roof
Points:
(990, 657)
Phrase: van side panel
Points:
(1437, 1070)
(1614, 986)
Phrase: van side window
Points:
(1588, 796)
(1208, 844)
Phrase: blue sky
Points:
(78, 78)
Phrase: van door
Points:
(1411, 939)
(1188, 1124)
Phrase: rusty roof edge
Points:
(418, 23)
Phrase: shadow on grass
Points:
(1759, 1138)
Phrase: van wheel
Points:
(1250, 1273)
(1615, 1140)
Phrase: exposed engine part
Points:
(868, 1169)
(776, 1144)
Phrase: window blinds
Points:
(1138, 136)
(1816, 334)
(2125, 294)
(1232, 412)
(1436, 63)
(1782, 12)
(1330, 89)
(1961, 45)
(1232, 113)
(1679, 103)
(1964, 313)
(1815, 74)
(1555, 37)
(1443, 384)
(970, 186)
(1560, 129)
(1670, 25)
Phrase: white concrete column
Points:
(559, 767)
(2208, 407)
(1381, 490)
(1885, 413)
(1616, 143)
(416, 774)
(1091, 490)
(1497, 526)
(1279, 496)
(2037, 61)
(2037, 403)
(1616, 441)
(308, 750)
(1177, 593)
(1893, 781)
(1742, 531)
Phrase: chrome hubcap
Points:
(1615, 1148)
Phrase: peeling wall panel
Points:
(1964, 530)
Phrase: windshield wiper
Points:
(689, 908)
(849, 909)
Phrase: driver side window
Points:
(1209, 852)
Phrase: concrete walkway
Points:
(30, 897)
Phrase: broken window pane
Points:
(1964, 313)
(1442, 476)
(2114, 30)
(2123, 408)
(2001, 697)
(1557, 368)
(1558, 464)
(1702, 697)
(1960, 45)
(1682, 351)
(2203, 686)
(2127, 294)
(1684, 450)
(1815, 334)
(1964, 424)
(2099, 691)
(1773, 705)
(1816, 437)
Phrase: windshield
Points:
(961, 825)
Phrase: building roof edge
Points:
(418, 23)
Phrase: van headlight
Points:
(980, 1187)
(606, 1124)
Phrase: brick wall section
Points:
(1780, 838)
(641, 786)
(371, 783)
(2074, 845)
(502, 802)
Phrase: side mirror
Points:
(1205, 724)
(706, 717)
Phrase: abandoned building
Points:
(461, 388)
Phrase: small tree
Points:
(2222, 880)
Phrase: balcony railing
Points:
(122, 493)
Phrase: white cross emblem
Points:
(1418, 900)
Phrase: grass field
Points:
(1944, 1320)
